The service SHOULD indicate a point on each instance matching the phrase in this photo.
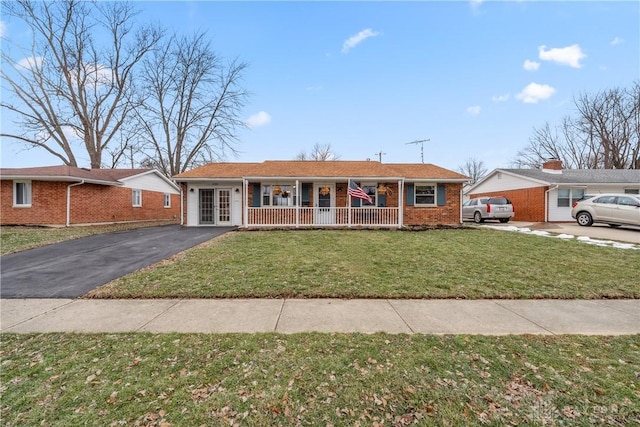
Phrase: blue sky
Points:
(474, 78)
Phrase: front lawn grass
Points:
(457, 263)
(20, 238)
(318, 380)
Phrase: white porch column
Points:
(298, 201)
(400, 202)
(245, 202)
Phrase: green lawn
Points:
(459, 263)
(318, 380)
(14, 239)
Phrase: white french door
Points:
(215, 206)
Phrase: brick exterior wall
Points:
(90, 204)
(449, 214)
(528, 203)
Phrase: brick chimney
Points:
(552, 165)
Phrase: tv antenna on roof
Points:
(421, 142)
(380, 154)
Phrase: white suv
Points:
(612, 209)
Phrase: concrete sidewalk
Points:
(486, 317)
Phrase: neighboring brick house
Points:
(315, 194)
(66, 195)
(547, 194)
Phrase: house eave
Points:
(53, 178)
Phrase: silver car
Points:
(612, 209)
(482, 208)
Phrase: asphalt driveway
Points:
(72, 268)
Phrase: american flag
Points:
(357, 192)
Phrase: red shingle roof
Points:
(320, 169)
(72, 173)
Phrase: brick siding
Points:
(90, 204)
(528, 203)
(449, 214)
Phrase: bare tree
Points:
(71, 91)
(604, 135)
(319, 152)
(611, 119)
(474, 169)
(192, 105)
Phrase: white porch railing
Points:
(324, 217)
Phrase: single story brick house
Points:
(67, 195)
(547, 194)
(315, 194)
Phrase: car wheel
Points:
(477, 217)
(504, 220)
(584, 219)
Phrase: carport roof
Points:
(320, 169)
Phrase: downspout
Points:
(546, 202)
(69, 200)
(461, 203)
(181, 205)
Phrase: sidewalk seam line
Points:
(275, 329)
(400, 316)
(497, 302)
(158, 315)
(37, 315)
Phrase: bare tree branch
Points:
(319, 152)
(604, 135)
(474, 169)
(68, 90)
(192, 104)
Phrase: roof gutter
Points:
(69, 199)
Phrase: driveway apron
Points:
(72, 268)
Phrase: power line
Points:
(421, 142)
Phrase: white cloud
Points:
(616, 41)
(535, 92)
(353, 41)
(500, 98)
(570, 55)
(3, 28)
(531, 65)
(474, 110)
(259, 119)
(30, 62)
(476, 3)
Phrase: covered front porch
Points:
(321, 203)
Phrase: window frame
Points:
(136, 202)
(271, 197)
(27, 194)
(167, 200)
(416, 195)
(374, 196)
(572, 197)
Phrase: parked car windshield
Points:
(499, 201)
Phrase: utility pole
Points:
(421, 142)
(380, 154)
